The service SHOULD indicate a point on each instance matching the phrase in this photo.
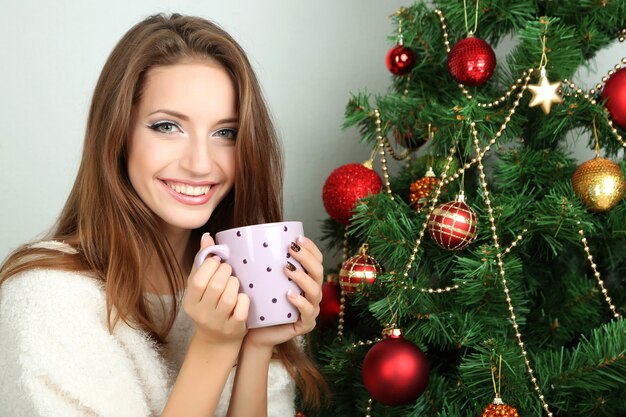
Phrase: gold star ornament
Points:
(545, 93)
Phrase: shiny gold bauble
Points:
(599, 183)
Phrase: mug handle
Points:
(219, 250)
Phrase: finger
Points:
(240, 312)
(199, 279)
(309, 262)
(216, 285)
(308, 244)
(311, 288)
(308, 311)
(205, 241)
(228, 298)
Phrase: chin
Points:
(186, 221)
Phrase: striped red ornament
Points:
(453, 225)
(359, 270)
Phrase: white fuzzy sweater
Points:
(57, 358)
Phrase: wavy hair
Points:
(109, 225)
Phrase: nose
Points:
(197, 156)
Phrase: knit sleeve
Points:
(58, 357)
(281, 391)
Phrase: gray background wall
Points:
(309, 57)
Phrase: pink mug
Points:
(258, 254)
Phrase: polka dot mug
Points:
(258, 255)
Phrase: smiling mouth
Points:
(190, 190)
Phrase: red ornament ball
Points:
(471, 61)
(395, 371)
(453, 225)
(330, 306)
(615, 91)
(357, 270)
(400, 60)
(345, 186)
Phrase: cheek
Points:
(143, 158)
(225, 157)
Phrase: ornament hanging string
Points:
(544, 58)
(497, 391)
(595, 134)
(475, 18)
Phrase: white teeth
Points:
(189, 189)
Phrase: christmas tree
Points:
(486, 274)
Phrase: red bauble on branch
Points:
(615, 91)
(471, 61)
(400, 60)
(357, 270)
(453, 225)
(345, 186)
(395, 371)
(330, 306)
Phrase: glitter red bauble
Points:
(500, 410)
(400, 60)
(453, 225)
(330, 306)
(615, 91)
(345, 186)
(395, 371)
(471, 61)
(357, 270)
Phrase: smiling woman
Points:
(181, 158)
(179, 145)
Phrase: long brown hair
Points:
(105, 220)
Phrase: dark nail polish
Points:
(295, 247)
(291, 266)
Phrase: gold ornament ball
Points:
(500, 410)
(599, 183)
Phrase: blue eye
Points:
(165, 127)
(227, 133)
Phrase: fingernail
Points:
(295, 247)
(291, 294)
(291, 266)
(300, 239)
(204, 236)
(217, 258)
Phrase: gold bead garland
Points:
(398, 157)
(596, 273)
(500, 263)
(381, 151)
(342, 299)
(368, 409)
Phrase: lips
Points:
(189, 193)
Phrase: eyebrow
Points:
(186, 118)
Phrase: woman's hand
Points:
(214, 303)
(309, 278)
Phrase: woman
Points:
(179, 145)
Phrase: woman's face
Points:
(181, 158)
